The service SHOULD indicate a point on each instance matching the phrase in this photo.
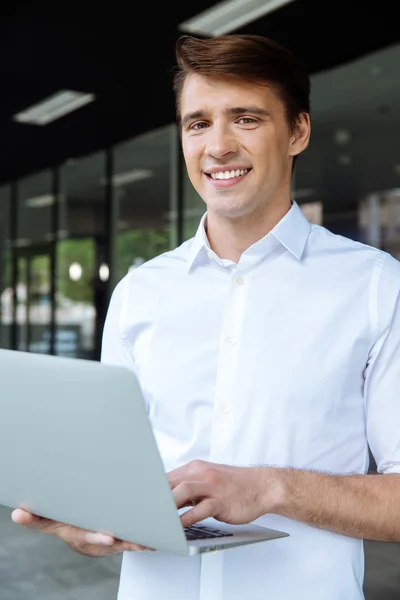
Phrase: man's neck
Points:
(230, 237)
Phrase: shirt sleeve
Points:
(115, 350)
(382, 377)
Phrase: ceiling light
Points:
(229, 15)
(342, 136)
(75, 271)
(344, 160)
(40, 201)
(54, 107)
(22, 242)
(376, 70)
(129, 177)
(104, 272)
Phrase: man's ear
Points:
(301, 135)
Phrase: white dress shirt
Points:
(289, 358)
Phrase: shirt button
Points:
(240, 281)
(231, 342)
(210, 254)
(225, 409)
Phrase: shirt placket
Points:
(228, 371)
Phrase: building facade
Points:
(70, 233)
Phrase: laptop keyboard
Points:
(200, 532)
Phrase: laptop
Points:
(77, 446)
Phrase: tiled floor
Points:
(37, 567)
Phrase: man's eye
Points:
(247, 120)
(198, 125)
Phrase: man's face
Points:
(237, 144)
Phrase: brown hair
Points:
(247, 57)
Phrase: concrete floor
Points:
(34, 566)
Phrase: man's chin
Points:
(229, 210)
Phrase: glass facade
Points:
(352, 167)
(6, 269)
(142, 199)
(80, 252)
(69, 234)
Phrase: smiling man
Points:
(268, 351)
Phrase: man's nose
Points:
(221, 142)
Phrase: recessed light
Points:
(127, 177)
(40, 201)
(345, 160)
(229, 15)
(342, 136)
(53, 107)
(376, 70)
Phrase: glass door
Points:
(33, 311)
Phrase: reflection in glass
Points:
(6, 292)
(34, 209)
(81, 247)
(33, 312)
(75, 310)
(193, 208)
(352, 164)
(35, 201)
(379, 221)
(142, 193)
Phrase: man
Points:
(268, 351)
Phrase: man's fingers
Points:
(203, 510)
(99, 539)
(101, 550)
(88, 542)
(26, 519)
(185, 493)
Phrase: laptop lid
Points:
(76, 446)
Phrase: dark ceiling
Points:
(124, 54)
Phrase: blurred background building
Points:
(92, 181)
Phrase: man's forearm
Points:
(362, 506)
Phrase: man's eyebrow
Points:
(197, 114)
(253, 109)
(234, 110)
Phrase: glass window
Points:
(35, 202)
(352, 165)
(81, 247)
(193, 207)
(6, 292)
(142, 184)
(34, 212)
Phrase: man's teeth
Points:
(229, 174)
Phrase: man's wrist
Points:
(273, 490)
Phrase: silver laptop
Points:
(76, 446)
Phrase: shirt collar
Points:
(292, 232)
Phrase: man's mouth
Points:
(228, 177)
(228, 174)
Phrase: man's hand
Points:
(235, 495)
(80, 540)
